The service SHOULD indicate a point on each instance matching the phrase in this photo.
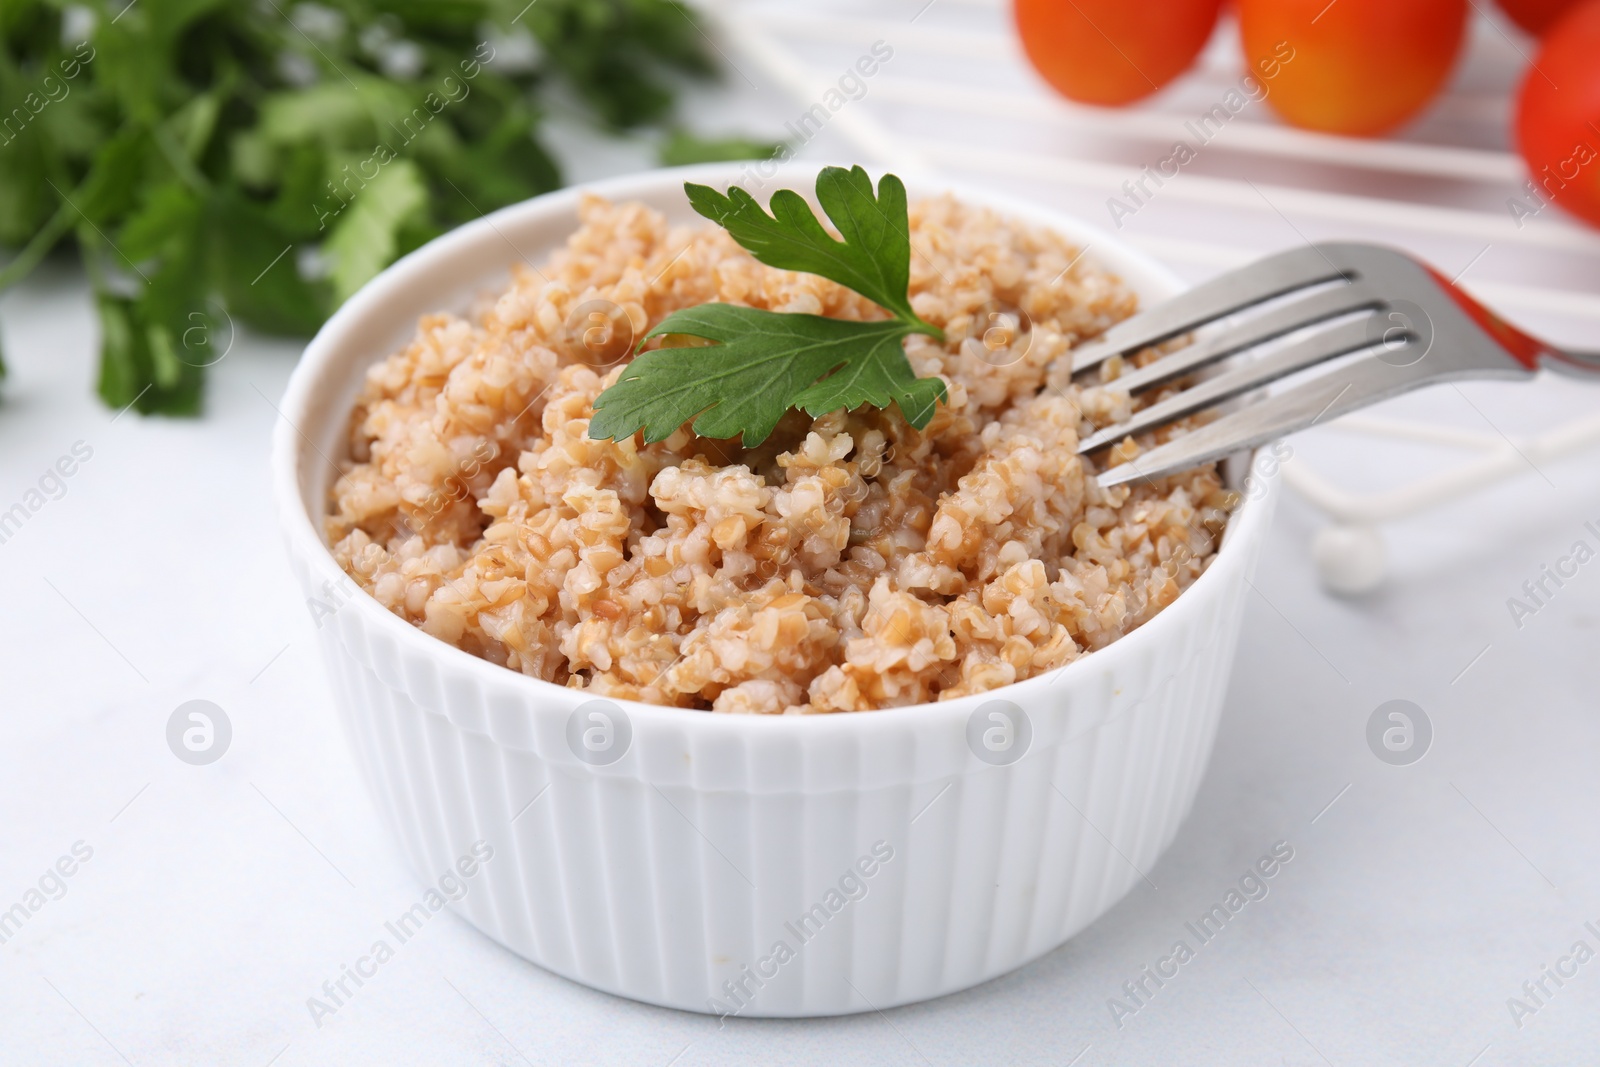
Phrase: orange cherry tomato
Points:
(1535, 16)
(1558, 114)
(1359, 67)
(1112, 52)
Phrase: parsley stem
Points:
(181, 164)
(38, 246)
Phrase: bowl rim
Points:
(305, 540)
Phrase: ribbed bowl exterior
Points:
(767, 866)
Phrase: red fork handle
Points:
(1527, 350)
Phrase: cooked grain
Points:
(848, 563)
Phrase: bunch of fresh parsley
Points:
(224, 163)
(762, 363)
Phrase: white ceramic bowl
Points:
(889, 861)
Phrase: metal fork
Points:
(1386, 322)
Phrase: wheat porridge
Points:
(847, 562)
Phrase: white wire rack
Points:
(958, 97)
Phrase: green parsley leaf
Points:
(138, 364)
(257, 271)
(762, 363)
(682, 148)
(874, 258)
(366, 237)
(165, 217)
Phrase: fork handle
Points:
(1577, 364)
(1522, 347)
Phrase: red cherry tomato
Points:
(1535, 16)
(1113, 52)
(1359, 67)
(1558, 113)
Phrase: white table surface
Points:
(219, 898)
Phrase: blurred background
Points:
(189, 187)
(199, 157)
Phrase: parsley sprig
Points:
(762, 363)
(222, 163)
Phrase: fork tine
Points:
(1273, 276)
(1365, 381)
(1339, 340)
(1314, 309)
